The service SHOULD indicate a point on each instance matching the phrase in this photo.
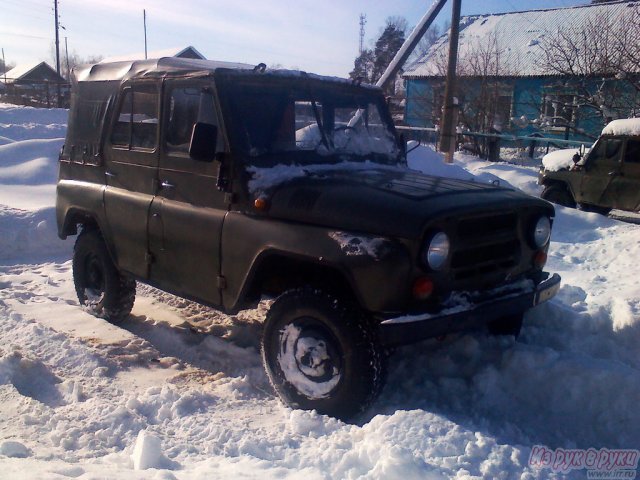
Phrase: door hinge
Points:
(149, 258)
(222, 282)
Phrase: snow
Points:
(360, 245)
(559, 160)
(626, 126)
(180, 390)
(290, 359)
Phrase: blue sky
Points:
(317, 36)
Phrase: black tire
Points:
(595, 209)
(509, 325)
(559, 195)
(102, 290)
(322, 353)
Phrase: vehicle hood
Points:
(559, 160)
(385, 201)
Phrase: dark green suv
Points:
(227, 184)
(606, 177)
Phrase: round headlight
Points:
(542, 232)
(438, 251)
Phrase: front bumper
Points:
(477, 311)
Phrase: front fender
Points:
(377, 269)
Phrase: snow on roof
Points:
(157, 66)
(626, 126)
(519, 36)
(19, 71)
(169, 52)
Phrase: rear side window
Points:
(136, 124)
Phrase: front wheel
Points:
(559, 195)
(102, 290)
(322, 353)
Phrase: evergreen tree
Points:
(371, 64)
(386, 48)
(363, 67)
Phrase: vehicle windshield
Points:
(314, 123)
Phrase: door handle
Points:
(110, 174)
(167, 184)
(613, 173)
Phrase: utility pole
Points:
(450, 107)
(66, 50)
(4, 67)
(55, 9)
(363, 22)
(144, 19)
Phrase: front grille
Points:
(485, 245)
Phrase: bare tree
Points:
(597, 65)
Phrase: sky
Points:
(316, 36)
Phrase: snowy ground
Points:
(178, 392)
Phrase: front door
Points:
(602, 166)
(131, 160)
(186, 217)
(627, 183)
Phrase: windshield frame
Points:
(324, 96)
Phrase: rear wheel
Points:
(322, 353)
(102, 290)
(559, 195)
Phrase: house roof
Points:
(169, 52)
(519, 36)
(22, 70)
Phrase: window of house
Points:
(559, 108)
(136, 124)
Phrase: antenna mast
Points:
(363, 22)
(144, 20)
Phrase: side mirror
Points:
(204, 139)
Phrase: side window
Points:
(184, 104)
(137, 121)
(122, 129)
(187, 105)
(606, 153)
(632, 155)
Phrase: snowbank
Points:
(626, 126)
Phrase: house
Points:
(35, 84)
(184, 52)
(542, 72)
(33, 74)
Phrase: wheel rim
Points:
(310, 358)
(94, 281)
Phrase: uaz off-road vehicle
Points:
(224, 183)
(606, 177)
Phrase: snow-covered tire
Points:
(559, 195)
(102, 290)
(510, 325)
(322, 353)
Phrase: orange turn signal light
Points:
(540, 259)
(422, 288)
(260, 203)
